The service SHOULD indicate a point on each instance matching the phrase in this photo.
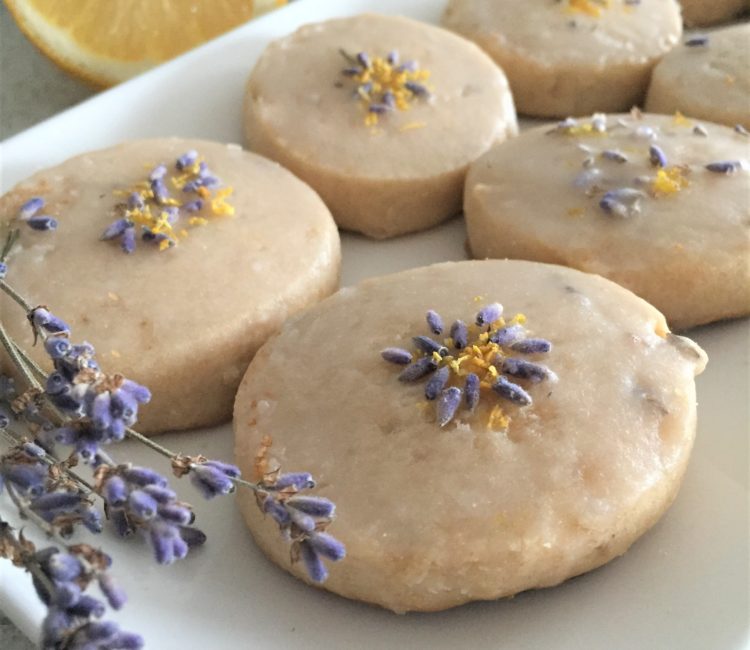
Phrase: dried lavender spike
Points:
(657, 156)
(506, 335)
(489, 314)
(700, 130)
(511, 391)
(436, 383)
(532, 346)
(523, 369)
(724, 167)
(448, 404)
(459, 334)
(699, 40)
(434, 322)
(429, 346)
(418, 369)
(31, 207)
(738, 128)
(614, 155)
(397, 355)
(471, 391)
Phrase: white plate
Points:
(684, 585)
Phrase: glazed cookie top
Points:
(260, 234)
(572, 32)
(610, 413)
(381, 96)
(629, 187)
(712, 65)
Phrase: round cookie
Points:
(630, 198)
(700, 13)
(183, 320)
(572, 57)
(482, 507)
(707, 77)
(381, 115)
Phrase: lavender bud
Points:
(126, 641)
(127, 243)
(429, 346)
(55, 624)
(100, 415)
(532, 346)
(34, 450)
(303, 521)
(277, 511)
(397, 355)
(158, 173)
(511, 391)
(623, 202)
(418, 369)
(416, 88)
(143, 476)
(43, 319)
(193, 537)
(176, 514)
(738, 128)
(298, 480)
(4, 418)
(186, 160)
(139, 393)
(42, 223)
(162, 495)
(62, 567)
(28, 478)
(327, 546)
(210, 481)
(115, 229)
(53, 501)
(527, 370)
(460, 335)
(87, 607)
(3, 270)
(698, 40)
(56, 347)
(120, 522)
(193, 206)
(65, 435)
(159, 189)
(471, 390)
(363, 59)
(100, 630)
(614, 155)
(142, 505)
(313, 506)
(657, 156)
(447, 404)
(226, 468)
(489, 314)
(162, 542)
(91, 519)
(436, 383)
(506, 335)
(700, 130)
(30, 208)
(393, 57)
(66, 594)
(724, 167)
(313, 564)
(434, 322)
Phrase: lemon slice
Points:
(105, 42)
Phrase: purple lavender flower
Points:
(418, 369)
(657, 156)
(698, 40)
(532, 346)
(472, 391)
(42, 223)
(506, 335)
(523, 369)
(429, 346)
(397, 355)
(436, 383)
(3, 270)
(489, 314)
(447, 405)
(211, 481)
(614, 155)
(435, 322)
(460, 334)
(43, 319)
(186, 160)
(116, 229)
(511, 391)
(727, 167)
(30, 208)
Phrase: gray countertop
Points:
(31, 90)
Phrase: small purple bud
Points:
(698, 40)
(65, 435)
(379, 108)
(115, 229)
(54, 501)
(100, 415)
(143, 476)
(135, 201)
(327, 546)
(62, 567)
(187, 159)
(363, 59)
(42, 223)
(66, 594)
(313, 506)
(100, 631)
(3, 270)
(418, 369)
(532, 346)
(158, 173)
(277, 511)
(87, 607)
(176, 514)
(159, 189)
(489, 314)
(738, 128)
(614, 155)
(127, 243)
(193, 537)
(657, 156)
(142, 505)
(55, 624)
(226, 468)
(56, 347)
(115, 492)
(623, 202)
(429, 346)
(447, 404)
(436, 383)
(91, 519)
(506, 335)
(471, 390)
(304, 522)
(416, 88)
(162, 542)
(434, 322)
(139, 393)
(724, 167)
(527, 370)
(393, 57)
(43, 319)
(33, 450)
(460, 335)
(511, 391)
(193, 206)
(180, 548)
(210, 481)
(397, 355)
(162, 495)
(120, 522)
(126, 641)
(313, 564)
(30, 208)
(28, 478)
(298, 480)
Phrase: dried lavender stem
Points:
(8, 344)
(30, 563)
(16, 296)
(9, 241)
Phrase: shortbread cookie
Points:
(556, 436)
(381, 115)
(706, 77)
(572, 57)
(656, 203)
(700, 13)
(222, 251)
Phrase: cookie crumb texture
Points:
(571, 57)
(184, 321)
(435, 517)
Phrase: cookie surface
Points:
(573, 57)
(700, 13)
(384, 173)
(184, 321)
(677, 236)
(480, 508)
(710, 81)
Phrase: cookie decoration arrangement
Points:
(707, 77)
(597, 427)
(380, 115)
(176, 259)
(702, 13)
(571, 57)
(656, 203)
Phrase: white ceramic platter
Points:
(684, 585)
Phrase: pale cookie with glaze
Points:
(658, 204)
(492, 503)
(336, 120)
(572, 57)
(185, 321)
(701, 13)
(707, 77)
